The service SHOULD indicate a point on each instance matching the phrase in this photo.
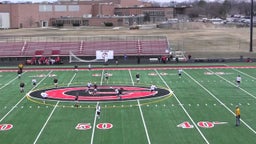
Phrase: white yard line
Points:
(141, 113)
(102, 75)
(244, 73)
(95, 116)
(22, 99)
(94, 124)
(183, 108)
(144, 124)
(131, 77)
(232, 83)
(10, 81)
(42, 129)
(219, 101)
(49, 117)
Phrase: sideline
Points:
(131, 67)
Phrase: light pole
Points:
(251, 28)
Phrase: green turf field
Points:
(200, 110)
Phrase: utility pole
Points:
(251, 28)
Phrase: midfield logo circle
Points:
(103, 93)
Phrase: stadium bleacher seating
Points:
(11, 49)
(84, 47)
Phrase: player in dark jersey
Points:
(19, 72)
(106, 75)
(22, 85)
(76, 101)
(95, 88)
(137, 77)
(55, 81)
(76, 68)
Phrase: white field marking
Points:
(39, 134)
(244, 73)
(144, 124)
(49, 117)
(94, 124)
(70, 82)
(22, 99)
(219, 101)
(101, 79)
(131, 77)
(10, 81)
(184, 109)
(141, 113)
(235, 85)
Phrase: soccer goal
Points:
(74, 59)
(101, 56)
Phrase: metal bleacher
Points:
(84, 46)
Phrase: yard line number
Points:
(202, 124)
(87, 126)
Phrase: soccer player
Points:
(117, 93)
(152, 88)
(76, 68)
(76, 101)
(22, 85)
(137, 77)
(95, 88)
(89, 67)
(19, 72)
(237, 111)
(98, 111)
(34, 82)
(89, 84)
(55, 81)
(106, 75)
(179, 72)
(238, 80)
(44, 96)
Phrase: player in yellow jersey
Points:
(237, 111)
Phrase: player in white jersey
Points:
(98, 111)
(44, 95)
(179, 72)
(238, 80)
(152, 88)
(33, 81)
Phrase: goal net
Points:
(73, 58)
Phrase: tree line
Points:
(215, 9)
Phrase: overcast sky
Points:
(146, 0)
(56, 0)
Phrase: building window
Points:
(73, 8)
(45, 8)
(60, 8)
